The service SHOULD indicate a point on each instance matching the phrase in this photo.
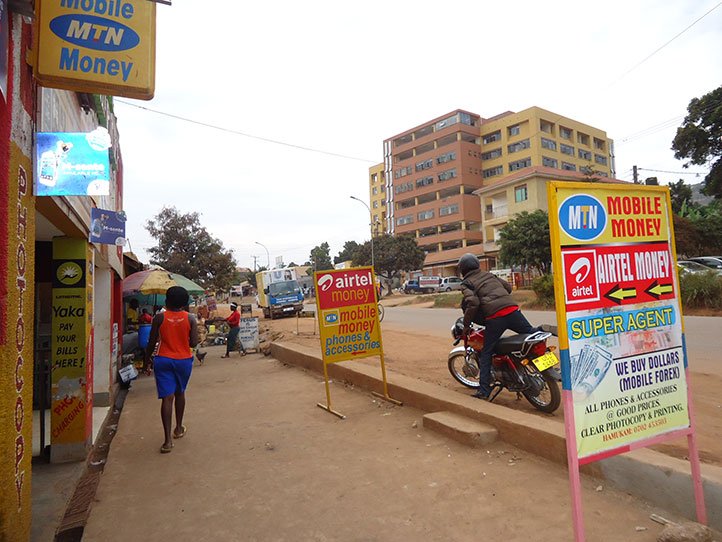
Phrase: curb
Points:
(654, 477)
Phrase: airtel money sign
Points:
(97, 46)
(348, 314)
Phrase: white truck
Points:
(279, 293)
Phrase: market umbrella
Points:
(157, 281)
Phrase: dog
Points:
(201, 356)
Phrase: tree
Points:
(349, 248)
(392, 255)
(699, 139)
(590, 174)
(185, 247)
(525, 241)
(680, 194)
(320, 258)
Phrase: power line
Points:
(674, 172)
(665, 44)
(244, 134)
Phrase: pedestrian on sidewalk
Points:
(234, 321)
(176, 333)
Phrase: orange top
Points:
(174, 335)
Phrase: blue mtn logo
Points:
(582, 217)
(94, 32)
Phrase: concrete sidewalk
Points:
(262, 462)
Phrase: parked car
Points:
(687, 266)
(411, 287)
(421, 285)
(713, 262)
(449, 283)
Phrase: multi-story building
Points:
(435, 173)
(522, 151)
(431, 173)
(377, 199)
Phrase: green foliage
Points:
(544, 289)
(701, 290)
(698, 230)
(392, 255)
(349, 249)
(524, 241)
(185, 247)
(680, 194)
(699, 139)
(320, 258)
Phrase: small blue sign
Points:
(582, 217)
(72, 164)
(331, 318)
(107, 227)
(94, 32)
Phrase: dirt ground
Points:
(261, 462)
(424, 357)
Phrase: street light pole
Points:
(371, 224)
(268, 256)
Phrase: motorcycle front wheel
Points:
(549, 398)
(465, 369)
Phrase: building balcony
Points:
(491, 246)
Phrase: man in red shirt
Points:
(234, 321)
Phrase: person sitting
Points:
(131, 315)
(145, 317)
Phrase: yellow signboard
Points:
(97, 46)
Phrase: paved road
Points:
(704, 333)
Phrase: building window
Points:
(520, 193)
(565, 133)
(496, 153)
(566, 149)
(514, 130)
(374, 178)
(449, 210)
(404, 171)
(568, 166)
(383, 203)
(599, 159)
(518, 146)
(549, 162)
(585, 155)
(546, 126)
(376, 204)
(424, 181)
(404, 220)
(548, 144)
(448, 157)
(375, 190)
(426, 164)
(446, 122)
(448, 174)
(519, 164)
(490, 138)
(583, 139)
(405, 187)
(426, 215)
(383, 189)
(491, 172)
(599, 144)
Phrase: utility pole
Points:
(635, 175)
(255, 267)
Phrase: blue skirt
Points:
(171, 375)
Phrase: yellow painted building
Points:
(377, 199)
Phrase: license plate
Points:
(288, 309)
(544, 362)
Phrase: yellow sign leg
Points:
(385, 395)
(327, 406)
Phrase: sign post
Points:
(346, 305)
(621, 334)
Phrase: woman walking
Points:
(176, 333)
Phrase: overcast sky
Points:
(324, 75)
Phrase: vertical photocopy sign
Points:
(97, 46)
(348, 315)
(619, 314)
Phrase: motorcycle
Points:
(521, 363)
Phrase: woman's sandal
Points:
(181, 434)
(166, 449)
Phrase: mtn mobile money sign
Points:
(621, 334)
(348, 315)
(97, 46)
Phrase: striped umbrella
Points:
(157, 281)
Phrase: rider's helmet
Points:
(468, 262)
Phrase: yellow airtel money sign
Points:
(97, 46)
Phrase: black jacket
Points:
(484, 290)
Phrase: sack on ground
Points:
(128, 373)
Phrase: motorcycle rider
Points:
(488, 295)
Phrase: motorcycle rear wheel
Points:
(468, 377)
(549, 398)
